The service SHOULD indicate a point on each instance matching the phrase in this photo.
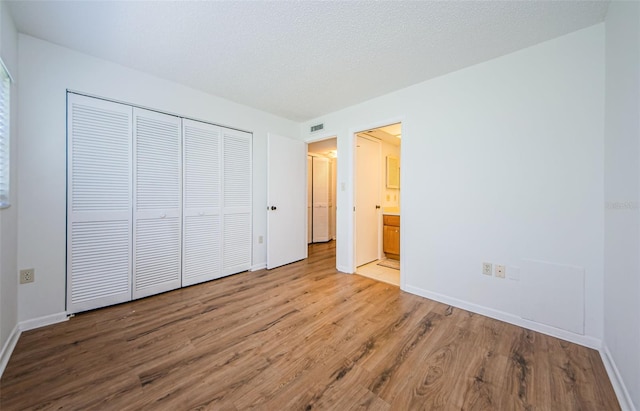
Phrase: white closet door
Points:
(332, 198)
(320, 199)
(309, 199)
(157, 202)
(236, 211)
(98, 203)
(201, 258)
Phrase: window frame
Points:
(5, 136)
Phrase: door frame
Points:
(315, 139)
(350, 267)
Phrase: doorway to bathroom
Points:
(377, 203)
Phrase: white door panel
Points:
(320, 199)
(98, 203)
(236, 210)
(157, 202)
(286, 201)
(202, 232)
(309, 199)
(367, 199)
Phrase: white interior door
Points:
(367, 199)
(332, 198)
(309, 199)
(157, 199)
(286, 201)
(320, 199)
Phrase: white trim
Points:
(259, 266)
(4, 66)
(26, 325)
(43, 321)
(321, 137)
(351, 172)
(590, 342)
(8, 347)
(616, 380)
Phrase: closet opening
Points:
(322, 166)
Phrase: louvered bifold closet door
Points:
(98, 203)
(157, 202)
(202, 223)
(236, 211)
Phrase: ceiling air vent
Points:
(317, 127)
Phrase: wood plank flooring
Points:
(300, 337)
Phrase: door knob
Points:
(273, 207)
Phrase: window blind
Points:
(5, 87)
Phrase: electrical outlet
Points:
(486, 268)
(28, 275)
(500, 271)
(260, 239)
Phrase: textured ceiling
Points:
(300, 59)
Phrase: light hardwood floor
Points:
(298, 337)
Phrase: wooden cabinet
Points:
(391, 236)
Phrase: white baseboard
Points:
(616, 380)
(27, 325)
(584, 340)
(43, 321)
(259, 266)
(8, 347)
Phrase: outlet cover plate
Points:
(27, 275)
(486, 268)
(500, 271)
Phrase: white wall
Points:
(8, 216)
(501, 162)
(46, 71)
(622, 194)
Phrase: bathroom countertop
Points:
(391, 211)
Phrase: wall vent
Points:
(317, 127)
